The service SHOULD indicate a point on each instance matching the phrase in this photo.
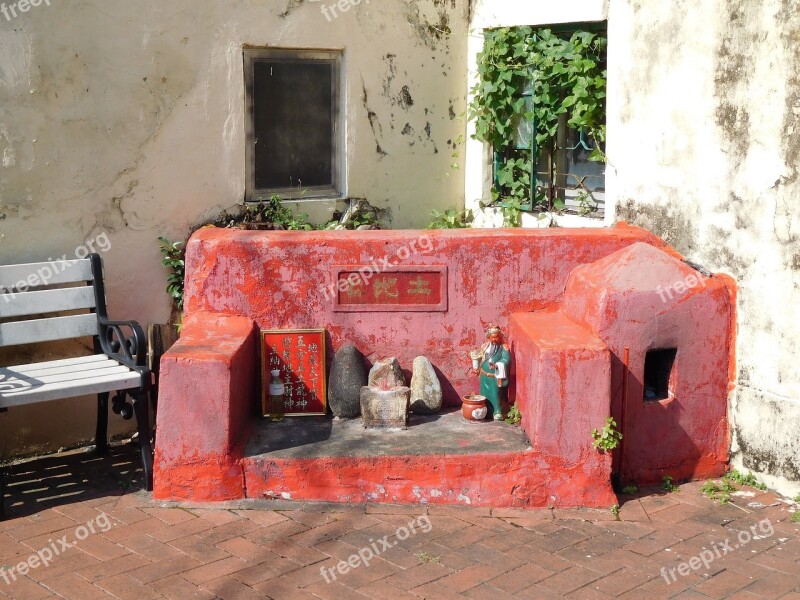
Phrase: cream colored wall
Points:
(126, 118)
(703, 115)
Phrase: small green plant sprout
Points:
(427, 557)
(797, 498)
(514, 416)
(615, 511)
(451, 219)
(718, 490)
(630, 490)
(795, 518)
(174, 261)
(748, 479)
(608, 437)
(667, 484)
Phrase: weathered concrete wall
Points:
(127, 118)
(704, 110)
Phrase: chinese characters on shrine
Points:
(299, 355)
(417, 288)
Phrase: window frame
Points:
(335, 57)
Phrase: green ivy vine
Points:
(566, 77)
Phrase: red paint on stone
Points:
(207, 405)
(568, 373)
(522, 480)
(643, 299)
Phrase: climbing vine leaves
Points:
(565, 76)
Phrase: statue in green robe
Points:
(494, 365)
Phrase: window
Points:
(658, 373)
(540, 103)
(294, 117)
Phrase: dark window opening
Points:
(293, 145)
(657, 373)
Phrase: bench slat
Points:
(10, 378)
(46, 273)
(79, 362)
(81, 387)
(44, 330)
(46, 301)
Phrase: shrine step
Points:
(439, 459)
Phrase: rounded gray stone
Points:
(348, 375)
(426, 390)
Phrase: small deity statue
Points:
(494, 358)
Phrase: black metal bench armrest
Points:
(131, 349)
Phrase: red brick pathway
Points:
(293, 550)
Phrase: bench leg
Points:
(140, 405)
(2, 495)
(101, 434)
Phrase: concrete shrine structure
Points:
(601, 323)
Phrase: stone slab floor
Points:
(132, 547)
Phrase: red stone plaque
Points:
(420, 288)
(299, 355)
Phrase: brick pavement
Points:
(286, 550)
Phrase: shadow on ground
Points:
(55, 480)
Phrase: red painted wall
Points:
(278, 278)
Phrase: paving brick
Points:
(45, 528)
(434, 589)
(101, 548)
(24, 589)
(109, 568)
(266, 570)
(216, 517)
(227, 587)
(485, 591)
(620, 581)
(167, 533)
(199, 548)
(150, 547)
(124, 586)
(280, 589)
(470, 577)
(569, 580)
(299, 554)
(774, 585)
(633, 511)
(244, 549)
(418, 575)
(520, 578)
(538, 592)
(170, 516)
(264, 518)
(177, 588)
(164, 568)
(336, 591)
(382, 590)
(72, 587)
(465, 537)
(214, 570)
(723, 584)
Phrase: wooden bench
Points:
(33, 301)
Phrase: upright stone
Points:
(426, 391)
(348, 375)
(386, 374)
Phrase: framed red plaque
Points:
(299, 356)
(407, 288)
